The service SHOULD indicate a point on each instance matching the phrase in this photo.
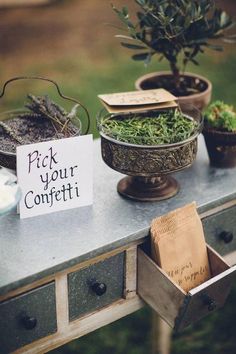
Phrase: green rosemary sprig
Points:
(166, 128)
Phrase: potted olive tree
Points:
(177, 31)
(220, 134)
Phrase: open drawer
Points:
(178, 308)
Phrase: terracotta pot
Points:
(221, 147)
(199, 100)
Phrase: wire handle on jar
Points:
(58, 90)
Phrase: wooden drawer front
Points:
(177, 308)
(27, 317)
(96, 286)
(220, 230)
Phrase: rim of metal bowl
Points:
(159, 146)
(20, 110)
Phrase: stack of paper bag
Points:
(179, 248)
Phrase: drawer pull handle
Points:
(208, 301)
(211, 305)
(226, 236)
(28, 322)
(99, 288)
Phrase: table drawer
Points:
(220, 230)
(178, 308)
(27, 317)
(96, 286)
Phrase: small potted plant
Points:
(176, 31)
(220, 134)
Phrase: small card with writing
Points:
(55, 175)
(138, 101)
(179, 248)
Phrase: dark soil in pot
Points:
(29, 130)
(188, 85)
(193, 89)
(221, 147)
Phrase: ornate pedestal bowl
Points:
(147, 166)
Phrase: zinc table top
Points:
(33, 248)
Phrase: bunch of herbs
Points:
(164, 128)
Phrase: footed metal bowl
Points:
(147, 166)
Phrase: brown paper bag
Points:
(179, 248)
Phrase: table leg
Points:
(161, 335)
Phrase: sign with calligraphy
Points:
(55, 175)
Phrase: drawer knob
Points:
(226, 236)
(28, 322)
(211, 305)
(209, 302)
(99, 288)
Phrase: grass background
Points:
(71, 43)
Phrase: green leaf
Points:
(215, 47)
(194, 61)
(125, 11)
(224, 19)
(123, 16)
(132, 46)
(140, 57)
(148, 59)
(141, 2)
(230, 39)
(125, 37)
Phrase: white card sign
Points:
(55, 175)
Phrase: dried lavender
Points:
(42, 106)
(44, 120)
(11, 133)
